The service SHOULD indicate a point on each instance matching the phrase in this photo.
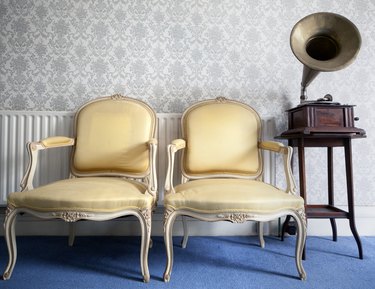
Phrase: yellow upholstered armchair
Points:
(222, 174)
(113, 172)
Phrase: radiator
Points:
(19, 127)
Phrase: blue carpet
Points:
(207, 262)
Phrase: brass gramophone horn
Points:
(323, 42)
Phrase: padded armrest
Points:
(176, 145)
(33, 148)
(179, 144)
(57, 141)
(286, 151)
(274, 146)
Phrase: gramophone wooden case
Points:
(322, 118)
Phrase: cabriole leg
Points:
(72, 233)
(261, 235)
(169, 218)
(186, 232)
(300, 219)
(145, 220)
(10, 237)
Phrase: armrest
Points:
(274, 146)
(57, 141)
(176, 145)
(287, 152)
(153, 183)
(33, 148)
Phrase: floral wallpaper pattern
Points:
(57, 54)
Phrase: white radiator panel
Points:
(19, 127)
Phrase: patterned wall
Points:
(57, 54)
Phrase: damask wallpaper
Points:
(57, 54)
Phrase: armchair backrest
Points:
(222, 139)
(112, 135)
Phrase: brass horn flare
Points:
(323, 42)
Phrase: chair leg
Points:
(10, 237)
(72, 233)
(300, 219)
(145, 220)
(168, 227)
(186, 232)
(261, 235)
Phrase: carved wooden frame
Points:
(170, 216)
(143, 214)
(235, 217)
(144, 217)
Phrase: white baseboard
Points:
(28, 225)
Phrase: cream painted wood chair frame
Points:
(171, 213)
(146, 177)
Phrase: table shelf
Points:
(328, 140)
(325, 211)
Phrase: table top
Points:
(319, 139)
(320, 136)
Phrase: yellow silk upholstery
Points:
(112, 173)
(222, 139)
(113, 137)
(222, 175)
(96, 194)
(231, 195)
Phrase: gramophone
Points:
(323, 42)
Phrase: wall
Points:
(55, 55)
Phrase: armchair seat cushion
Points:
(231, 195)
(89, 194)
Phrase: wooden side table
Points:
(327, 140)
